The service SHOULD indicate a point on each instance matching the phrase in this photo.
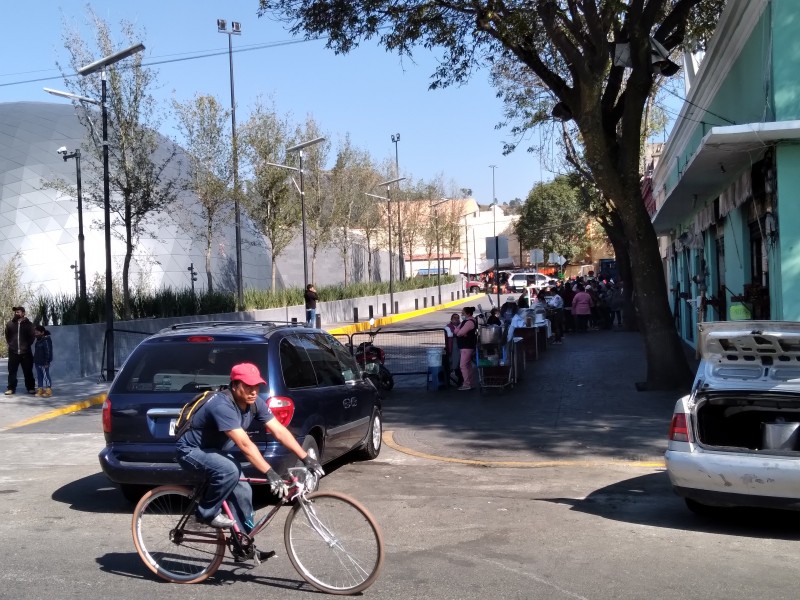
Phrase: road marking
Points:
(365, 326)
(57, 412)
(388, 439)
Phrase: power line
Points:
(689, 102)
(181, 57)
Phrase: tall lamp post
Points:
(101, 65)
(236, 29)
(496, 241)
(299, 149)
(74, 266)
(80, 274)
(388, 199)
(436, 206)
(402, 272)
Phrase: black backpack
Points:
(190, 409)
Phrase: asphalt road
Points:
(586, 515)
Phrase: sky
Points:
(368, 93)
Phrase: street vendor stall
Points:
(496, 358)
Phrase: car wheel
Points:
(372, 447)
(700, 509)
(133, 492)
(385, 379)
(310, 445)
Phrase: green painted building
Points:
(725, 185)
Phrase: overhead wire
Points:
(181, 57)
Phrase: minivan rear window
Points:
(185, 367)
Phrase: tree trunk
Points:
(210, 282)
(667, 367)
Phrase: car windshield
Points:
(185, 367)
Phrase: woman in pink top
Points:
(582, 305)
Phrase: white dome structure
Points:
(40, 224)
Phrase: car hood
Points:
(750, 355)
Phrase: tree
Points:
(144, 174)
(202, 123)
(554, 219)
(352, 175)
(269, 197)
(569, 46)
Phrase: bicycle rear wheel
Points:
(334, 543)
(188, 555)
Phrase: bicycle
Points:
(332, 540)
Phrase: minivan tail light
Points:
(678, 429)
(282, 408)
(107, 415)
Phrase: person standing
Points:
(467, 340)
(451, 347)
(311, 298)
(42, 357)
(20, 337)
(582, 305)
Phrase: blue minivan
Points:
(314, 387)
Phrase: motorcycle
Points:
(371, 358)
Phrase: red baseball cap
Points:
(247, 373)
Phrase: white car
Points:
(735, 440)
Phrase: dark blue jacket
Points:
(43, 350)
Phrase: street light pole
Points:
(299, 149)
(81, 273)
(389, 220)
(75, 267)
(435, 207)
(496, 240)
(402, 271)
(101, 65)
(236, 29)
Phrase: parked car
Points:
(314, 387)
(735, 440)
(518, 282)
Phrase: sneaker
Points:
(32, 392)
(9, 392)
(259, 556)
(221, 522)
(47, 393)
(464, 388)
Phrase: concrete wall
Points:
(78, 349)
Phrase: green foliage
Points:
(554, 218)
(63, 309)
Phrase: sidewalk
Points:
(578, 402)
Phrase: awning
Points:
(723, 153)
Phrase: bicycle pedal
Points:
(263, 555)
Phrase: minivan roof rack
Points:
(197, 324)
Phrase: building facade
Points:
(722, 194)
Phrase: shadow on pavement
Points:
(93, 494)
(649, 500)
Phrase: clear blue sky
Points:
(368, 93)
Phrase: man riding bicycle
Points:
(218, 426)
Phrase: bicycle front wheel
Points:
(186, 555)
(334, 543)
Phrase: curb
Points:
(388, 439)
(365, 326)
(57, 412)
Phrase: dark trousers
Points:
(14, 362)
(557, 324)
(222, 472)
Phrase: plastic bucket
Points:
(780, 435)
(434, 357)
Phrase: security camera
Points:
(62, 150)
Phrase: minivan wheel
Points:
(133, 492)
(372, 447)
